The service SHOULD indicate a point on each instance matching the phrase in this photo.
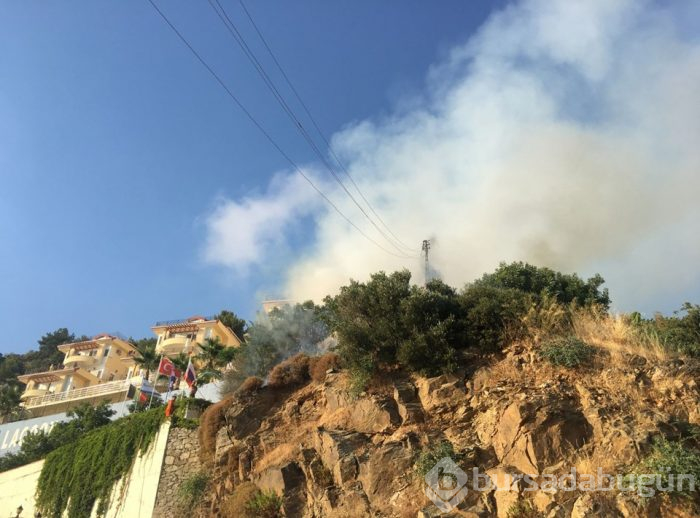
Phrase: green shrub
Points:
(523, 509)
(428, 457)
(265, 504)
(666, 461)
(566, 352)
(191, 491)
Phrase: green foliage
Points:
(146, 356)
(212, 357)
(272, 338)
(265, 504)
(9, 401)
(566, 288)
(37, 445)
(234, 323)
(566, 352)
(492, 315)
(83, 472)
(191, 491)
(666, 461)
(680, 334)
(523, 509)
(428, 457)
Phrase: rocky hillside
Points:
(330, 454)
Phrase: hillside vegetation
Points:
(522, 372)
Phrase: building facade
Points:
(182, 336)
(93, 370)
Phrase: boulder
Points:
(409, 407)
(289, 482)
(441, 392)
(531, 437)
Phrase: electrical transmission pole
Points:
(426, 248)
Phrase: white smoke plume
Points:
(564, 133)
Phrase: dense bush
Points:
(566, 352)
(565, 288)
(37, 445)
(291, 372)
(387, 322)
(250, 385)
(320, 365)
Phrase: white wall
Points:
(17, 487)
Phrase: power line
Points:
(315, 124)
(262, 130)
(240, 40)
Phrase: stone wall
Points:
(181, 460)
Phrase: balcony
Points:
(35, 392)
(174, 345)
(113, 387)
(80, 360)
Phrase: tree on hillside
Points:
(48, 353)
(566, 288)
(9, 402)
(234, 323)
(368, 319)
(11, 366)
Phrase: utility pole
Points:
(426, 248)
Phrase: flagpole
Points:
(153, 388)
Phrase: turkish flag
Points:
(166, 368)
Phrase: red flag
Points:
(166, 368)
(190, 376)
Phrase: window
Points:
(207, 333)
(107, 349)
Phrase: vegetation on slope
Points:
(84, 472)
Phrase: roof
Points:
(55, 375)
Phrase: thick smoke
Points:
(562, 133)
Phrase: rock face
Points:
(329, 455)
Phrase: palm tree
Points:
(213, 355)
(181, 361)
(146, 357)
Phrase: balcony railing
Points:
(174, 345)
(180, 321)
(111, 387)
(79, 358)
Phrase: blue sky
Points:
(115, 143)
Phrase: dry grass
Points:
(210, 423)
(235, 506)
(616, 335)
(279, 455)
(291, 372)
(250, 385)
(319, 365)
